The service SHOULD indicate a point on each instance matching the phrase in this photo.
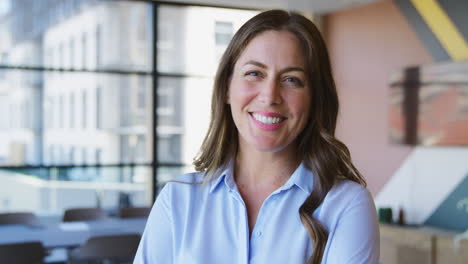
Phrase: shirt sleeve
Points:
(156, 245)
(356, 238)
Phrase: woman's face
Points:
(269, 94)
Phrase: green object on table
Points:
(385, 215)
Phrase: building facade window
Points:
(98, 107)
(72, 111)
(72, 54)
(84, 156)
(98, 45)
(84, 109)
(223, 33)
(142, 94)
(61, 55)
(71, 155)
(61, 114)
(84, 50)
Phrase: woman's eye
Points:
(253, 74)
(294, 81)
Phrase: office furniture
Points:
(70, 234)
(420, 245)
(111, 249)
(17, 218)
(132, 212)
(83, 214)
(22, 253)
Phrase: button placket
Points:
(258, 233)
(258, 229)
(243, 224)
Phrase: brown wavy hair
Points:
(323, 154)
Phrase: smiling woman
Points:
(269, 95)
(273, 184)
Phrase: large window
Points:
(188, 50)
(78, 90)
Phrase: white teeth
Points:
(267, 119)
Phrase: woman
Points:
(273, 184)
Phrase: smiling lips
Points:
(268, 121)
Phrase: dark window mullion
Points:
(69, 70)
(154, 112)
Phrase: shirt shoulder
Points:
(182, 190)
(347, 190)
(168, 214)
(188, 182)
(350, 216)
(344, 196)
(189, 178)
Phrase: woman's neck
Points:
(256, 168)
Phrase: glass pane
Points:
(20, 118)
(51, 191)
(85, 34)
(108, 122)
(183, 117)
(74, 118)
(191, 39)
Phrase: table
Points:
(70, 234)
(420, 244)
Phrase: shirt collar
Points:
(226, 175)
(302, 178)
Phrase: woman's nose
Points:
(270, 93)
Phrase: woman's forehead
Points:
(273, 48)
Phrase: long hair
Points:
(323, 154)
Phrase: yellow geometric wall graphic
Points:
(443, 28)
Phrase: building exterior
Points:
(88, 101)
(95, 118)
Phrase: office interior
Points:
(104, 101)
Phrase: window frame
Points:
(56, 62)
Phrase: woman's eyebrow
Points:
(287, 69)
(290, 69)
(256, 63)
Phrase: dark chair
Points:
(22, 253)
(18, 218)
(134, 212)
(83, 214)
(106, 249)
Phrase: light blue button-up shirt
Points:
(192, 223)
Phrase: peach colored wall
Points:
(366, 45)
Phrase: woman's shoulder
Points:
(348, 188)
(182, 196)
(346, 193)
(345, 197)
(183, 186)
(188, 178)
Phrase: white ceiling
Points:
(315, 6)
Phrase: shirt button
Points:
(258, 233)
